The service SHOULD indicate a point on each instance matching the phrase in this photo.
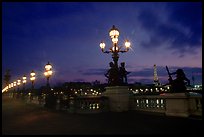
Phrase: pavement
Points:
(19, 118)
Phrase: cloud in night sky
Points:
(181, 28)
(93, 72)
(68, 35)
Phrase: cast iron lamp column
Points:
(24, 82)
(18, 83)
(14, 84)
(50, 100)
(115, 49)
(48, 73)
(32, 78)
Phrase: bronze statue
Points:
(179, 84)
(117, 76)
(112, 74)
(123, 73)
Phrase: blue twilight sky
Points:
(68, 34)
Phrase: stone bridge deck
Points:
(19, 118)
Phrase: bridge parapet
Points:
(170, 104)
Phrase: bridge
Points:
(148, 114)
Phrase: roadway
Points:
(19, 118)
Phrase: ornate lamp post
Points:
(24, 82)
(48, 73)
(14, 85)
(11, 91)
(18, 83)
(14, 90)
(50, 99)
(32, 78)
(9, 87)
(115, 49)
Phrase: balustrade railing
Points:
(180, 104)
(93, 104)
(152, 103)
(174, 104)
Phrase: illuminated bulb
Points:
(114, 40)
(102, 45)
(127, 44)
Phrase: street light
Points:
(32, 78)
(14, 90)
(115, 49)
(11, 90)
(48, 73)
(49, 102)
(14, 84)
(11, 85)
(18, 83)
(24, 81)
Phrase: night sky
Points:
(68, 34)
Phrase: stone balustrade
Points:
(150, 103)
(91, 104)
(169, 104)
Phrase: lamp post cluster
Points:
(115, 49)
(47, 73)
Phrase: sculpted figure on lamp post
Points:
(123, 73)
(112, 75)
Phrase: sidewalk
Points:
(19, 118)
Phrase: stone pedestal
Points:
(119, 98)
(177, 104)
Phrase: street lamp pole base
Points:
(119, 98)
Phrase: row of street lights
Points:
(47, 73)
